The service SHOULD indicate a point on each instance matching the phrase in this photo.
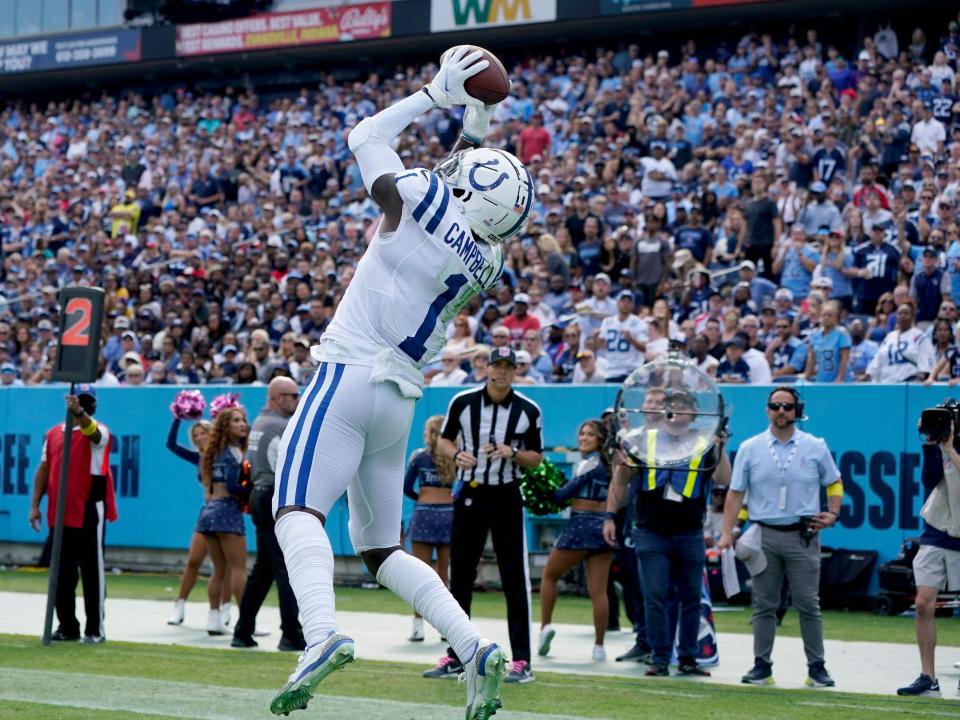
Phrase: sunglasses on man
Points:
(785, 406)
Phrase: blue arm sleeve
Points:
(569, 489)
(191, 456)
(932, 471)
(410, 479)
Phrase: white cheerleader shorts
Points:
(347, 434)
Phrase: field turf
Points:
(125, 680)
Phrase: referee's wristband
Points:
(611, 516)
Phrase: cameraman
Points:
(937, 565)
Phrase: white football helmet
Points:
(493, 188)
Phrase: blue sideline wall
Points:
(871, 430)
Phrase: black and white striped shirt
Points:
(474, 420)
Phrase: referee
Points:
(491, 433)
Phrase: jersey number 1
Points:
(415, 345)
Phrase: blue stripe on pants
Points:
(303, 477)
(295, 438)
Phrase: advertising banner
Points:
(62, 52)
(619, 7)
(287, 29)
(447, 15)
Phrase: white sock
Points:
(418, 584)
(309, 559)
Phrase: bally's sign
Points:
(446, 15)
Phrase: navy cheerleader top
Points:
(589, 482)
(421, 472)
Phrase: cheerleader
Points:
(221, 520)
(199, 434)
(428, 481)
(582, 539)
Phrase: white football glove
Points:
(456, 68)
(476, 121)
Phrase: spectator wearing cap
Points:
(526, 375)
(878, 263)
(733, 368)
(695, 237)
(599, 305)
(829, 163)
(113, 348)
(796, 261)
(129, 350)
(761, 288)
(520, 320)
(929, 287)
(621, 339)
(820, 212)
(764, 226)
(8, 376)
(659, 172)
(589, 368)
(302, 365)
(450, 371)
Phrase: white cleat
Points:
(225, 610)
(179, 608)
(416, 631)
(547, 633)
(599, 653)
(214, 624)
(484, 677)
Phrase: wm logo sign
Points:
(461, 14)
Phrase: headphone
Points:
(798, 401)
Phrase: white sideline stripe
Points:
(900, 709)
(195, 701)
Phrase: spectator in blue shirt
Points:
(862, 350)
(878, 263)
(829, 347)
(796, 261)
(695, 238)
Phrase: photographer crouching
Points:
(937, 565)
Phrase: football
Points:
(492, 85)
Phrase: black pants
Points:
(497, 509)
(269, 567)
(81, 556)
(626, 570)
(756, 253)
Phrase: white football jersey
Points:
(901, 356)
(622, 357)
(411, 282)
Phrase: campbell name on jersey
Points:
(411, 282)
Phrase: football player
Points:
(438, 244)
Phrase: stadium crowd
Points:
(773, 208)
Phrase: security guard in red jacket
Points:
(90, 504)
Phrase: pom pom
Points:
(223, 402)
(188, 405)
(538, 485)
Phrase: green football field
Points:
(128, 680)
(125, 680)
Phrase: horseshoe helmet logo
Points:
(493, 162)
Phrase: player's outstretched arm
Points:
(371, 140)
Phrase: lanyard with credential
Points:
(783, 467)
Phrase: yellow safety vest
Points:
(698, 453)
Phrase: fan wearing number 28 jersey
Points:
(437, 245)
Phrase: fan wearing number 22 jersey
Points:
(410, 283)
